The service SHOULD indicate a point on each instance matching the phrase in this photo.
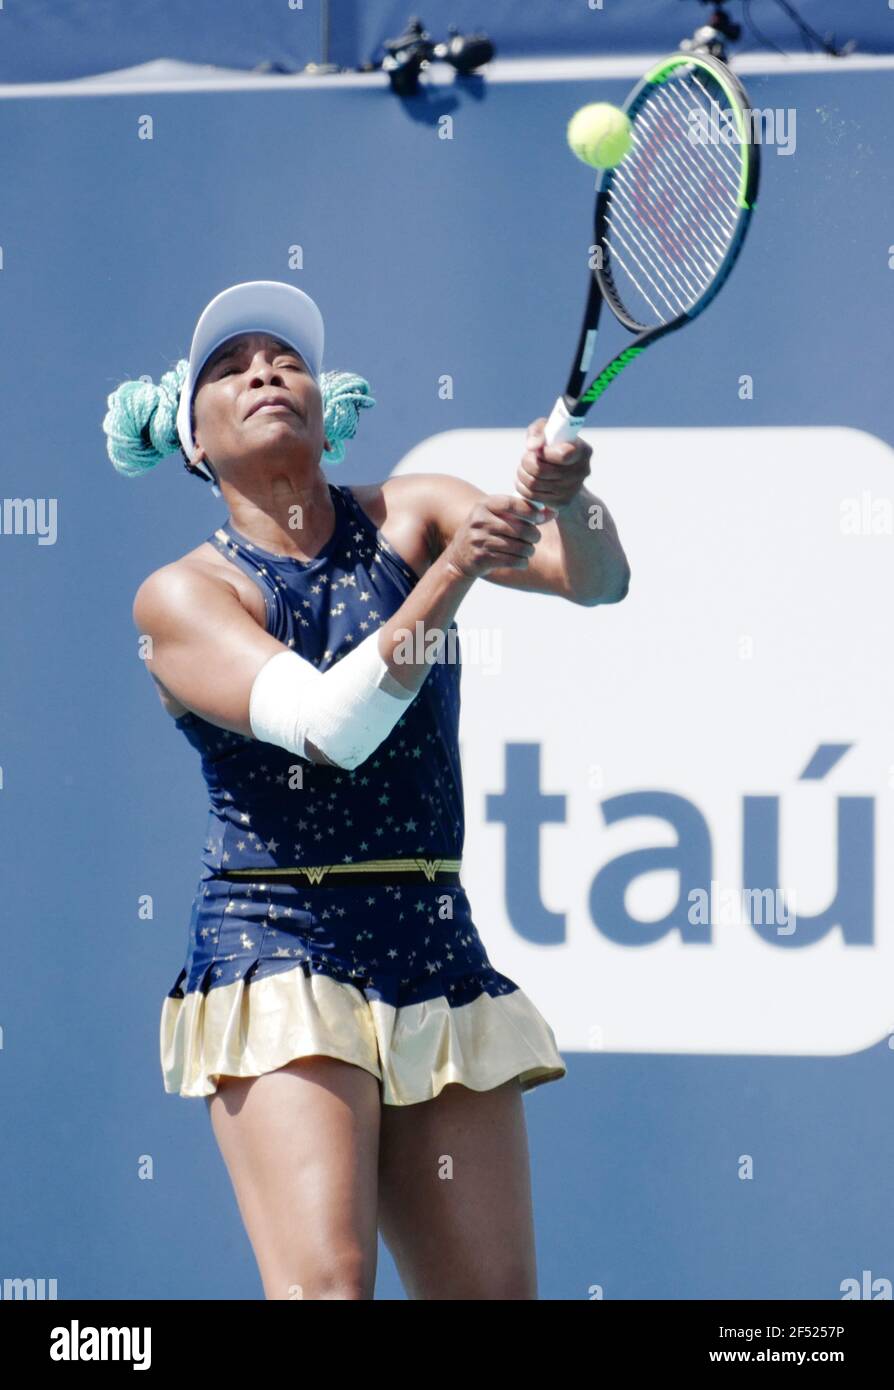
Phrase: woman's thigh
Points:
(301, 1147)
(455, 1195)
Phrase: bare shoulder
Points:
(422, 493)
(394, 513)
(417, 512)
(188, 578)
(186, 581)
(161, 592)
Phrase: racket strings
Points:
(700, 161)
(669, 162)
(698, 242)
(723, 152)
(716, 199)
(715, 156)
(690, 185)
(694, 261)
(671, 211)
(712, 159)
(678, 257)
(660, 314)
(668, 250)
(623, 235)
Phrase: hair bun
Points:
(344, 396)
(141, 423)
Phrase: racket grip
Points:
(561, 425)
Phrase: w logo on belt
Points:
(367, 871)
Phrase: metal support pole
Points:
(324, 31)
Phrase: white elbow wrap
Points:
(343, 711)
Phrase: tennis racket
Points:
(670, 218)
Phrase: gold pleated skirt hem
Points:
(415, 1050)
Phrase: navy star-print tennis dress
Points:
(330, 917)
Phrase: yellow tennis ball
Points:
(599, 134)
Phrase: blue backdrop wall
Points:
(49, 40)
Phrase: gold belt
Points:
(366, 871)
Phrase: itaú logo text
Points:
(703, 904)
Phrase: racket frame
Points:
(567, 416)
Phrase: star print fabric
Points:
(391, 976)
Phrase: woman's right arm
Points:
(208, 651)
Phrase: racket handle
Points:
(561, 425)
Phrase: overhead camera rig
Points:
(709, 38)
(414, 50)
(713, 36)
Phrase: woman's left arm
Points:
(581, 545)
(578, 556)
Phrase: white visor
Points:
(256, 306)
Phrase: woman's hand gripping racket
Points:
(670, 218)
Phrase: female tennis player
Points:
(362, 1059)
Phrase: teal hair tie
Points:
(141, 422)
